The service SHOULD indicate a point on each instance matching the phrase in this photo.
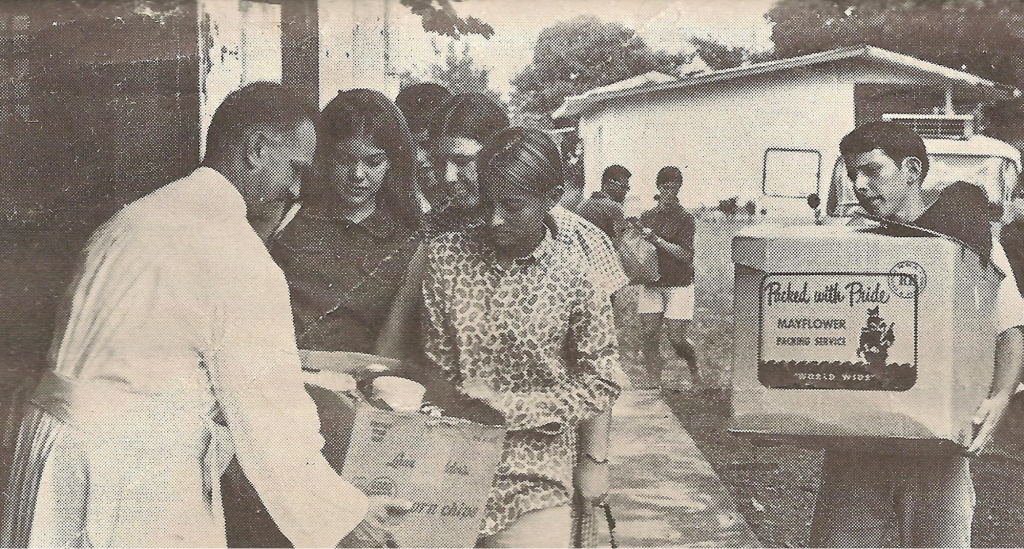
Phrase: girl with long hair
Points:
(346, 252)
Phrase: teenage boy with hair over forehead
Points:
(929, 499)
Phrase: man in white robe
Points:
(175, 352)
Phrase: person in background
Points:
(546, 356)
(669, 300)
(927, 499)
(457, 133)
(419, 103)
(460, 127)
(347, 251)
(604, 207)
(1012, 235)
(174, 352)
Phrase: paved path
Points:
(664, 493)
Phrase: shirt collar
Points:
(538, 253)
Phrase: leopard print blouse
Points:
(542, 338)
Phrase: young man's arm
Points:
(1005, 378)
(1009, 359)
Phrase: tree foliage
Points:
(983, 37)
(575, 56)
(439, 16)
(459, 73)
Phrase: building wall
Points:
(356, 45)
(717, 134)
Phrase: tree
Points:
(459, 73)
(718, 56)
(578, 55)
(983, 37)
(574, 56)
(439, 16)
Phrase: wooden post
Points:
(300, 48)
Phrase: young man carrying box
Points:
(929, 499)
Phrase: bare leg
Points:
(650, 333)
(677, 330)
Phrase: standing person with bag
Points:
(604, 207)
(513, 319)
(668, 301)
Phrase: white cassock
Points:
(175, 352)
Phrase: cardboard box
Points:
(845, 336)
(444, 466)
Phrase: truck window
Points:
(791, 173)
(995, 174)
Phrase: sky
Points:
(664, 24)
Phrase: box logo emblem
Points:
(907, 279)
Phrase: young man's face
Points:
(515, 216)
(617, 188)
(454, 159)
(882, 186)
(668, 191)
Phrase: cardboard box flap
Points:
(764, 247)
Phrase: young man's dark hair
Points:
(419, 102)
(669, 173)
(260, 104)
(898, 142)
(616, 172)
(471, 115)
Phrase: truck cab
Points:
(955, 153)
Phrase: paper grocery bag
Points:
(639, 258)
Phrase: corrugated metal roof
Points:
(577, 104)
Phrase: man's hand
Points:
(374, 531)
(591, 479)
(987, 418)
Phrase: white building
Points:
(769, 131)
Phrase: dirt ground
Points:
(775, 488)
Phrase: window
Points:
(791, 173)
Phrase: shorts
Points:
(675, 302)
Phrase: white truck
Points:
(955, 153)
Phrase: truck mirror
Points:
(813, 200)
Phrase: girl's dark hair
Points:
(363, 112)
(471, 115)
(525, 157)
